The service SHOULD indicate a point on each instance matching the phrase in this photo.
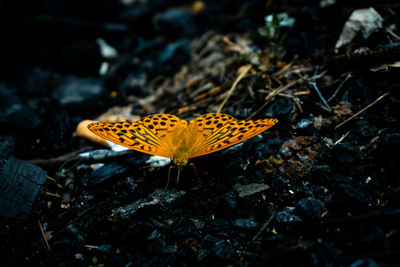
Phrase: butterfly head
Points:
(181, 158)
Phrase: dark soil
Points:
(320, 188)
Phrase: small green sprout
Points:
(274, 33)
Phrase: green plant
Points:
(274, 33)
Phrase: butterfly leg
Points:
(169, 174)
(195, 170)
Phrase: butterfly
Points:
(168, 136)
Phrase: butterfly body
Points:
(169, 136)
(181, 157)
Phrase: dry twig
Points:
(362, 110)
(272, 94)
(315, 87)
(348, 76)
(46, 241)
(238, 79)
(263, 228)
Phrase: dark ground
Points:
(314, 191)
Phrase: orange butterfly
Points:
(168, 136)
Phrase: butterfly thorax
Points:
(181, 158)
(182, 142)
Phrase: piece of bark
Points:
(107, 172)
(6, 147)
(19, 186)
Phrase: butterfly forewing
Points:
(147, 135)
(222, 134)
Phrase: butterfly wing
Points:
(147, 135)
(216, 131)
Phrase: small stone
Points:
(250, 189)
(154, 235)
(174, 21)
(173, 56)
(136, 11)
(367, 262)
(245, 223)
(169, 249)
(304, 159)
(271, 145)
(135, 84)
(218, 225)
(367, 131)
(210, 240)
(303, 123)
(127, 211)
(342, 179)
(230, 199)
(354, 193)
(293, 145)
(345, 154)
(107, 172)
(153, 199)
(105, 248)
(202, 254)
(75, 91)
(286, 217)
(198, 223)
(223, 249)
(285, 152)
(279, 182)
(14, 112)
(282, 106)
(309, 208)
(73, 231)
(305, 127)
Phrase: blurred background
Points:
(65, 61)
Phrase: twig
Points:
(262, 228)
(238, 79)
(258, 110)
(67, 195)
(44, 236)
(232, 46)
(92, 246)
(293, 99)
(392, 33)
(251, 92)
(56, 160)
(269, 81)
(85, 156)
(362, 110)
(272, 94)
(53, 194)
(314, 85)
(284, 69)
(349, 75)
(341, 138)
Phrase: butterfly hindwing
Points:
(145, 135)
(225, 133)
(207, 124)
(161, 123)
